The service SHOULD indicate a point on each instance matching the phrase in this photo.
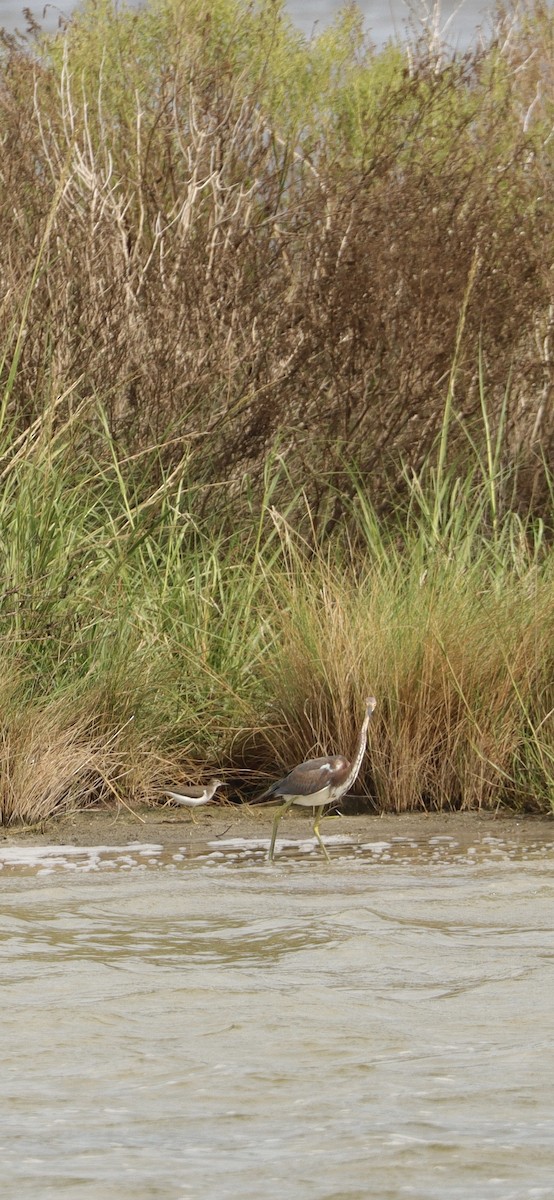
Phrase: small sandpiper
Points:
(193, 796)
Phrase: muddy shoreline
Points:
(169, 826)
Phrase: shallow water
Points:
(178, 1026)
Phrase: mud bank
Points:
(169, 827)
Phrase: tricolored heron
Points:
(319, 782)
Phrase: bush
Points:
(237, 238)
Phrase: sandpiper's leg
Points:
(280, 813)
(316, 830)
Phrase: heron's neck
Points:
(361, 749)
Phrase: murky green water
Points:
(381, 1027)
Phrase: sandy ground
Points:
(178, 826)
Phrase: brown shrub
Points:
(222, 290)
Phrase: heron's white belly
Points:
(324, 796)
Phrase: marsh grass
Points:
(141, 646)
(451, 650)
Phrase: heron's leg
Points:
(316, 830)
(280, 813)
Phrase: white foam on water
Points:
(45, 859)
(141, 856)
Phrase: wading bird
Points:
(319, 782)
(192, 796)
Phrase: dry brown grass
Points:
(49, 767)
(463, 671)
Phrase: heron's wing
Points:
(311, 776)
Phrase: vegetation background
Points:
(277, 420)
